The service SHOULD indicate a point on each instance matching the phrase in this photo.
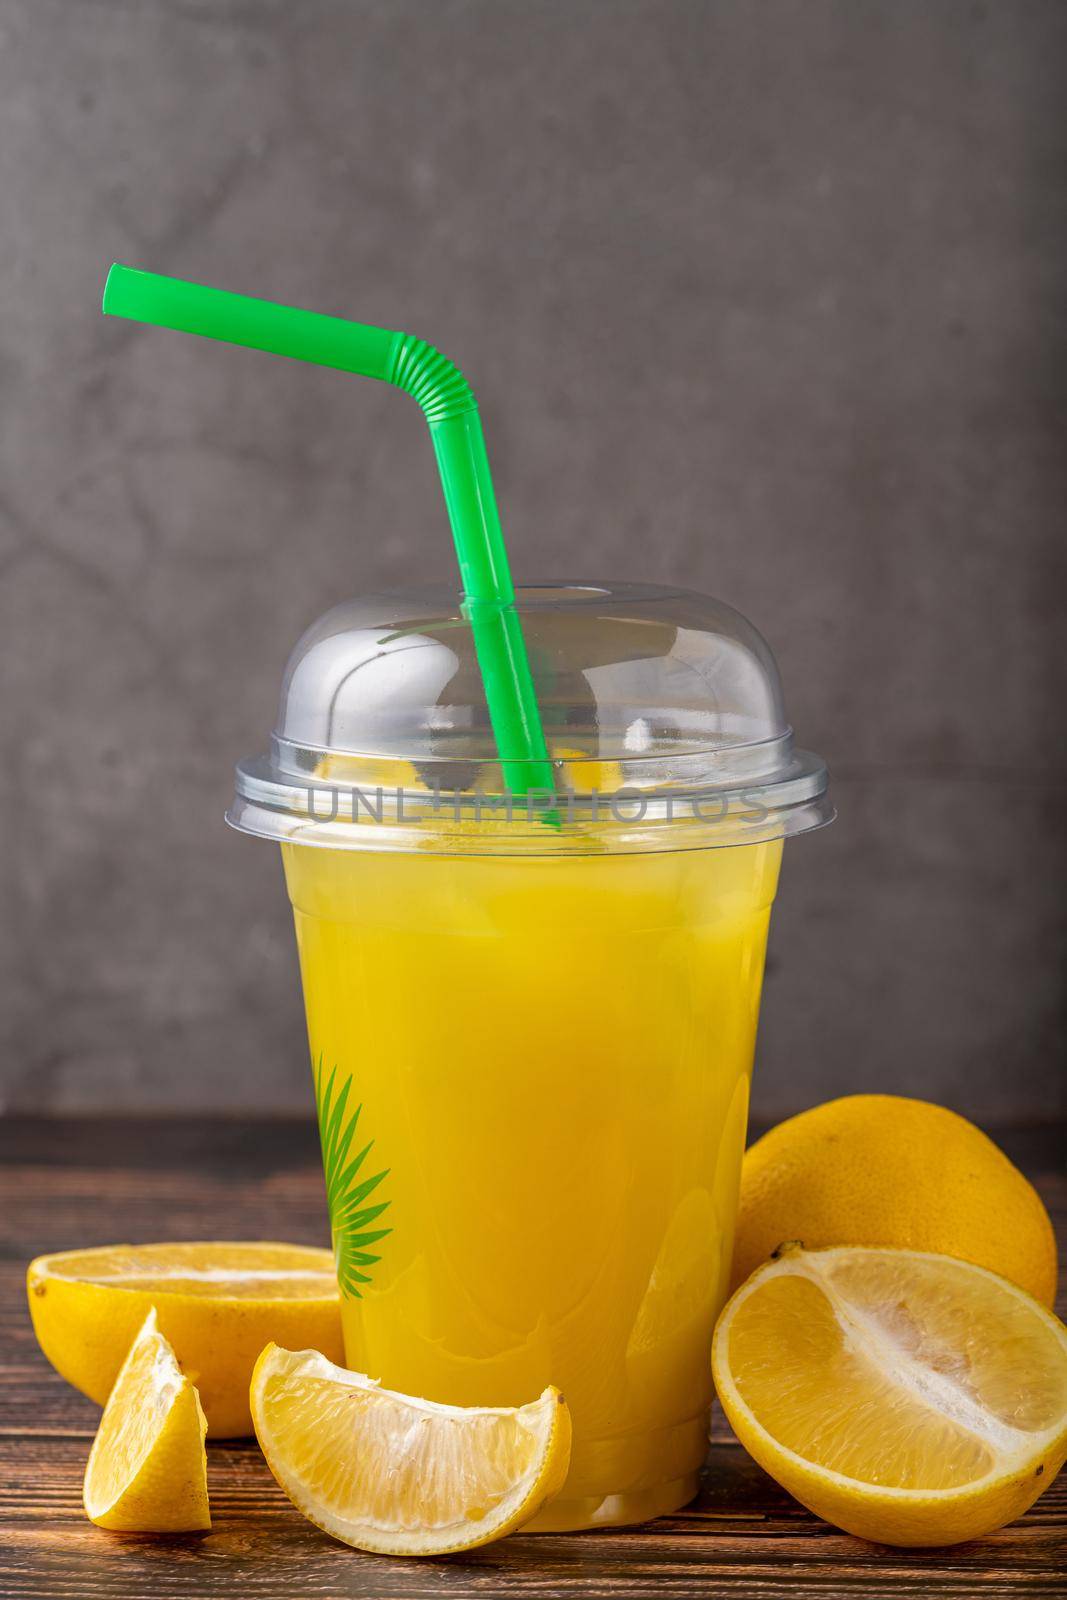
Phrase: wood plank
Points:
(98, 1182)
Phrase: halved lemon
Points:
(147, 1469)
(397, 1475)
(218, 1303)
(908, 1398)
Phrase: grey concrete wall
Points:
(762, 297)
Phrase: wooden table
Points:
(65, 1184)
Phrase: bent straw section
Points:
(451, 412)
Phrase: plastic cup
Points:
(532, 1047)
(531, 850)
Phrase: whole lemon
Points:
(879, 1169)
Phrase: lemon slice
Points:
(401, 1476)
(147, 1470)
(218, 1304)
(908, 1398)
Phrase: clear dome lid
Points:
(662, 712)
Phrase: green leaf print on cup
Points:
(350, 1217)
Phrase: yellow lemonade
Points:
(532, 1076)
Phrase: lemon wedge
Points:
(218, 1303)
(397, 1475)
(147, 1469)
(911, 1399)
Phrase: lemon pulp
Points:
(393, 1473)
(907, 1397)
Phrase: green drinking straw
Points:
(456, 429)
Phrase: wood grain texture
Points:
(96, 1182)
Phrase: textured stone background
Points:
(763, 297)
